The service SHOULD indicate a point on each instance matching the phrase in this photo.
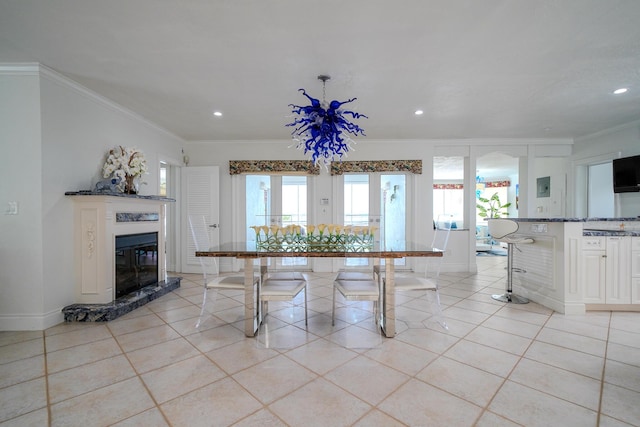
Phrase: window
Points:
(163, 179)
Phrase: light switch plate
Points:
(12, 208)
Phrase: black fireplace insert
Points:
(136, 262)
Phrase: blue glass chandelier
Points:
(323, 129)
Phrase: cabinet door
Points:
(618, 270)
(635, 270)
(635, 264)
(635, 290)
(592, 270)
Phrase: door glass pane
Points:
(356, 200)
(294, 200)
(356, 208)
(393, 208)
(276, 200)
(294, 209)
(258, 203)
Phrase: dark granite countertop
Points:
(609, 226)
(629, 219)
(591, 232)
(128, 196)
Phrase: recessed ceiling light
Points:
(419, 112)
(620, 91)
(217, 113)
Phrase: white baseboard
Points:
(30, 322)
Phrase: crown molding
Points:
(20, 69)
(34, 69)
(62, 80)
(605, 132)
(431, 142)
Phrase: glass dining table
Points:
(251, 251)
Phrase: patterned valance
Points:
(273, 166)
(413, 166)
(448, 186)
(497, 184)
(487, 184)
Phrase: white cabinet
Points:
(635, 270)
(618, 271)
(605, 270)
(593, 269)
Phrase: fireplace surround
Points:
(101, 220)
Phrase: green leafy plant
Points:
(491, 207)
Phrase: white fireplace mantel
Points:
(98, 219)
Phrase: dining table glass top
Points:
(376, 249)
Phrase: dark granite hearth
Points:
(121, 306)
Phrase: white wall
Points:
(21, 248)
(623, 141)
(58, 134)
(553, 206)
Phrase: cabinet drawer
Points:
(593, 242)
(635, 243)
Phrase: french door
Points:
(278, 200)
(376, 200)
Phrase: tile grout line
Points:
(46, 379)
(266, 407)
(604, 367)
(139, 376)
(226, 374)
(506, 378)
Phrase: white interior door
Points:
(200, 196)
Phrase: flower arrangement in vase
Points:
(128, 164)
(322, 238)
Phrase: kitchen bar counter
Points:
(558, 275)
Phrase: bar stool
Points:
(502, 230)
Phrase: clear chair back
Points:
(201, 241)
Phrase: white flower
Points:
(122, 162)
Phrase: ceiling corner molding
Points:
(413, 166)
(608, 131)
(65, 81)
(20, 69)
(306, 167)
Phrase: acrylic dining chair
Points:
(212, 280)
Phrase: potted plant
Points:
(492, 207)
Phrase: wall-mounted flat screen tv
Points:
(626, 174)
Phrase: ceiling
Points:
(478, 69)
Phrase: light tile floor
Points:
(497, 365)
